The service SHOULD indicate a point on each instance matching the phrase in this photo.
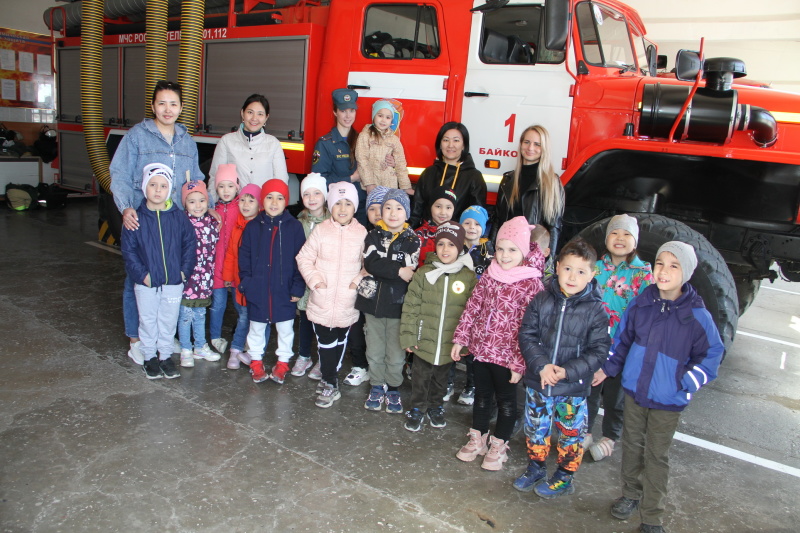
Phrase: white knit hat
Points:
(626, 222)
(685, 255)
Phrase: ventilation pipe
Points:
(155, 51)
(91, 94)
(189, 60)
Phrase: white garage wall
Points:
(765, 35)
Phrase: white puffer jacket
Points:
(333, 255)
(257, 160)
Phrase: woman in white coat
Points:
(258, 156)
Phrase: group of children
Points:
(442, 293)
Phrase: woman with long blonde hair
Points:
(533, 189)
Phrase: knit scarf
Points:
(464, 260)
(513, 275)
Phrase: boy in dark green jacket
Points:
(434, 302)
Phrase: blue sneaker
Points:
(393, 403)
(533, 475)
(375, 399)
(560, 483)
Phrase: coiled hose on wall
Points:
(155, 51)
(189, 60)
(91, 92)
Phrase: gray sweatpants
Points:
(385, 355)
(159, 308)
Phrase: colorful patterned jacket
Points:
(198, 286)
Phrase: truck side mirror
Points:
(556, 25)
(687, 65)
(651, 55)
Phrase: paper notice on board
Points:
(26, 91)
(9, 91)
(26, 62)
(8, 59)
(43, 63)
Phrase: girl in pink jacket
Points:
(489, 327)
(330, 262)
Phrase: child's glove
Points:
(693, 379)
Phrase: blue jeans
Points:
(130, 312)
(219, 302)
(192, 319)
(242, 327)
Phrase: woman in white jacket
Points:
(258, 156)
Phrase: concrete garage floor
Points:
(88, 444)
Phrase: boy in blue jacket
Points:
(159, 257)
(666, 347)
(270, 280)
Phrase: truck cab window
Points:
(407, 31)
(515, 35)
(604, 36)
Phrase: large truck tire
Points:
(712, 279)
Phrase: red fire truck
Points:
(706, 161)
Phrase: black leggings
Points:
(492, 382)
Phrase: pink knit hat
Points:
(253, 190)
(342, 189)
(227, 172)
(518, 231)
(193, 186)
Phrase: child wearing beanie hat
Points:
(682, 354)
(270, 280)
(488, 328)
(248, 209)
(621, 275)
(159, 256)
(197, 291)
(330, 262)
(315, 211)
(391, 253)
(474, 220)
(433, 305)
(374, 205)
(443, 204)
(379, 140)
(224, 189)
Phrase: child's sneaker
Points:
(436, 417)
(496, 456)
(135, 353)
(301, 366)
(475, 447)
(245, 358)
(449, 394)
(329, 395)
(279, 372)
(467, 396)
(532, 475)
(414, 420)
(187, 361)
(316, 373)
(233, 360)
(394, 404)
(560, 483)
(219, 345)
(206, 353)
(357, 376)
(375, 399)
(168, 368)
(320, 387)
(624, 508)
(257, 371)
(602, 449)
(151, 369)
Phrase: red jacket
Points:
(230, 269)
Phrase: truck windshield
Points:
(604, 37)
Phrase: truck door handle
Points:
(470, 95)
(354, 87)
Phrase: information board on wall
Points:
(26, 73)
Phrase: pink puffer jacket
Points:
(333, 255)
(229, 213)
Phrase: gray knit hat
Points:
(400, 197)
(626, 222)
(685, 254)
